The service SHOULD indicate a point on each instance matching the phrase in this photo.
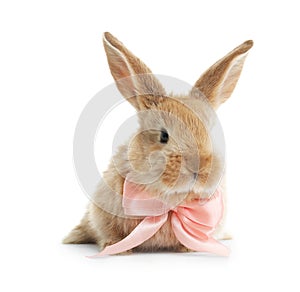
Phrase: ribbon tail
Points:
(190, 241)
(143, 231)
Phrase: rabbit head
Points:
(172, 150)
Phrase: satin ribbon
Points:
(193, 223)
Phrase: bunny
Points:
(169, 158)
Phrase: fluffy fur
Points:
(169, 168)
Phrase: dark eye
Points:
(164, 136)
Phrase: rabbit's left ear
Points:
(218, 82)
(133, 78)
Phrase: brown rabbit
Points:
(175, 158)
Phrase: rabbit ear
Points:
(132, 76)
(218, 82)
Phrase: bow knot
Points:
(193, 223)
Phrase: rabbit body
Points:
(170, 156)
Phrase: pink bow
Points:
(193, 223)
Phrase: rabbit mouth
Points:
(184, 183)
(196, 183)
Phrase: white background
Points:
(52, 62)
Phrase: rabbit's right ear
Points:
(218, 82)
(133, 78)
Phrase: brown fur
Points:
(188, 150)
